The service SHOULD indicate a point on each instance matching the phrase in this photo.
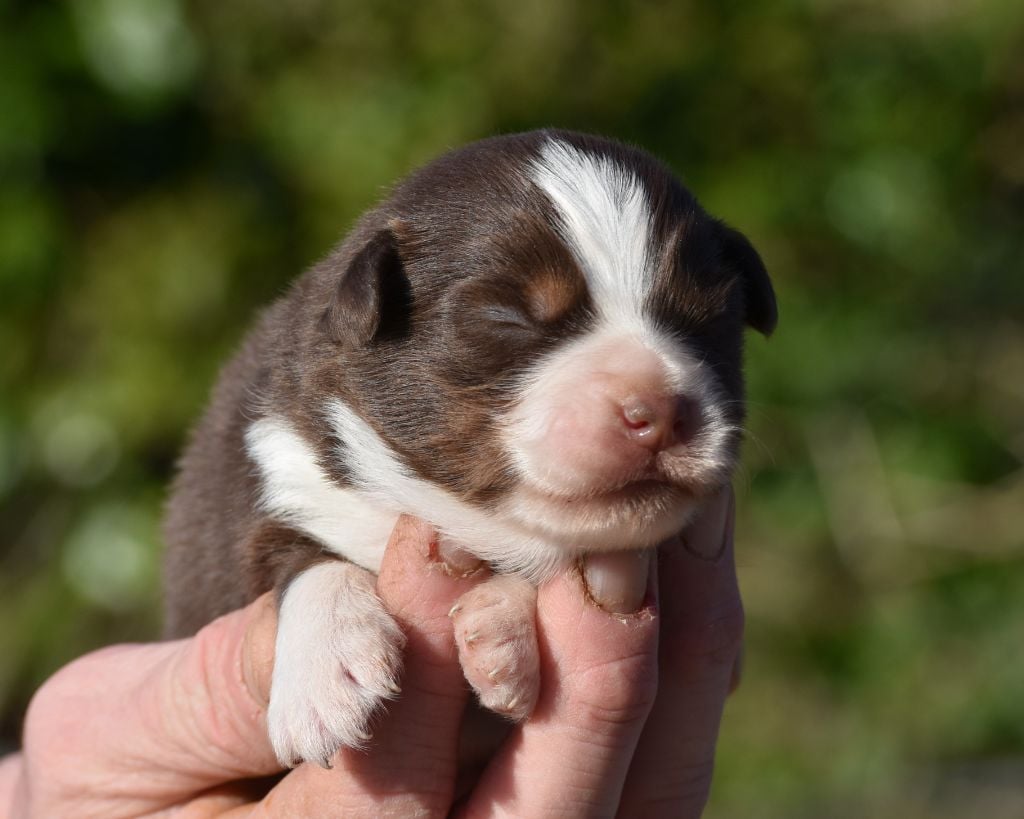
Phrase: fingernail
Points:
(707, 536)
(415, 532)
(258, 649)
(617, 581)
(457, 562)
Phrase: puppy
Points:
(534, 344)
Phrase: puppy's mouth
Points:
(631, 490)
(611, 509)
(632, 514)
(650, 482)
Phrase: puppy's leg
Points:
(496, 633)
(338, 657)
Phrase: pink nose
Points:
(660, 422)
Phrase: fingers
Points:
(701, 634)
(170, 718)
(173, 719)
(410, 766)
(598, 673)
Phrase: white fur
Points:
(525, 534)
(338, 651)
(606, 222)
(388, 484)
(297, 491)
(356, 522)
(337, 658)
(560, 379)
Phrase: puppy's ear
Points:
(762, 312)
(372, 292)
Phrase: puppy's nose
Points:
(659, 422)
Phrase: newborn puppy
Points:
(534, 344)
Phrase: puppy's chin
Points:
(635, 516)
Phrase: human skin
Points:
(637, 658)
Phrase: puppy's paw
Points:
(338, 658)
(496, 632)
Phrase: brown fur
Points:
(420, 321)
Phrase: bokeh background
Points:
(167, 167)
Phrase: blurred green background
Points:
(167, 167)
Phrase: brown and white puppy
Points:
(534, 344)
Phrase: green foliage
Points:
(167, 168)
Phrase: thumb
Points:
(214, 690)
(179, 717)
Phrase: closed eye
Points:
(508, 316)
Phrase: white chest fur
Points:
(297, 491)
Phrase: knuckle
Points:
(616, 693)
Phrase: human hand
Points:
(623, 726)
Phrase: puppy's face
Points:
(549, 328)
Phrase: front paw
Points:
(338, 658)
(496, 633)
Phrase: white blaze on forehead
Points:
(605, 218)
(606, 222)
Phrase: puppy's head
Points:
(547, 327)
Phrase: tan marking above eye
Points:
(551, 294)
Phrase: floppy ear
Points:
(370, 290)
(762, 313)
